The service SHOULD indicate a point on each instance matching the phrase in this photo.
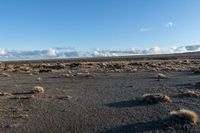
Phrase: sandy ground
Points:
(103, 101)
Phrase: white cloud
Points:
(2, 51)
(145, 29)
(169, 24)
(51, 52)
(73, 53)
(155, 50)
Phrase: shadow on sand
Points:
(184, 85)
(136, 128)
(195, 86)
(129, 103)
(22, 93)
(163, 125)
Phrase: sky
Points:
(31, 25)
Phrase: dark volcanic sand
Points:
(104, 103)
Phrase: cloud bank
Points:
(54, 53)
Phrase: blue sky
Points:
(106, 24)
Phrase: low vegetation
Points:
(38, 89)
(191, 93)
(185, 115)
(155, 98)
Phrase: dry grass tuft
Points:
(155, 98)
(65, 97)
(162, 76)
(22, 116)
(5, 94)
(65, 75)
(39, 79)
(38, 89)
(5, 74)
(191, 93)
(185, 115)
